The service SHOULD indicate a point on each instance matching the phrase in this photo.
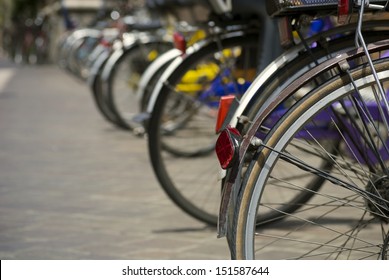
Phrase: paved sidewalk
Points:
(74, 187)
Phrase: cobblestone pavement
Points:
(74, 187)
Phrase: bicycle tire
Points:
(96, 86)
(123, 79)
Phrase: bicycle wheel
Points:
(97, 89)
(124, 78)
(146, 87)
(272, 87)
(81, 48)
(347, 218)
(181, 130)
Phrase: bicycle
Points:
(185, 36)
(95, 54)
(328, 125)
(75, 47)
(112, 71)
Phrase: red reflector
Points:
(227, 147)
(224, 106)
(105, 43)
(179, 42)
(344, 11)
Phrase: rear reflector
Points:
(227, 147)
(179, 42)
(344, 11)
(224, 106)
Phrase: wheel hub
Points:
(378, 202)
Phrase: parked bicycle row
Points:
(28, 41)
(125, 64)
(298, 96)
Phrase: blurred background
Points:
(73, 186)
(41, 22)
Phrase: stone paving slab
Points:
(72, 186)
